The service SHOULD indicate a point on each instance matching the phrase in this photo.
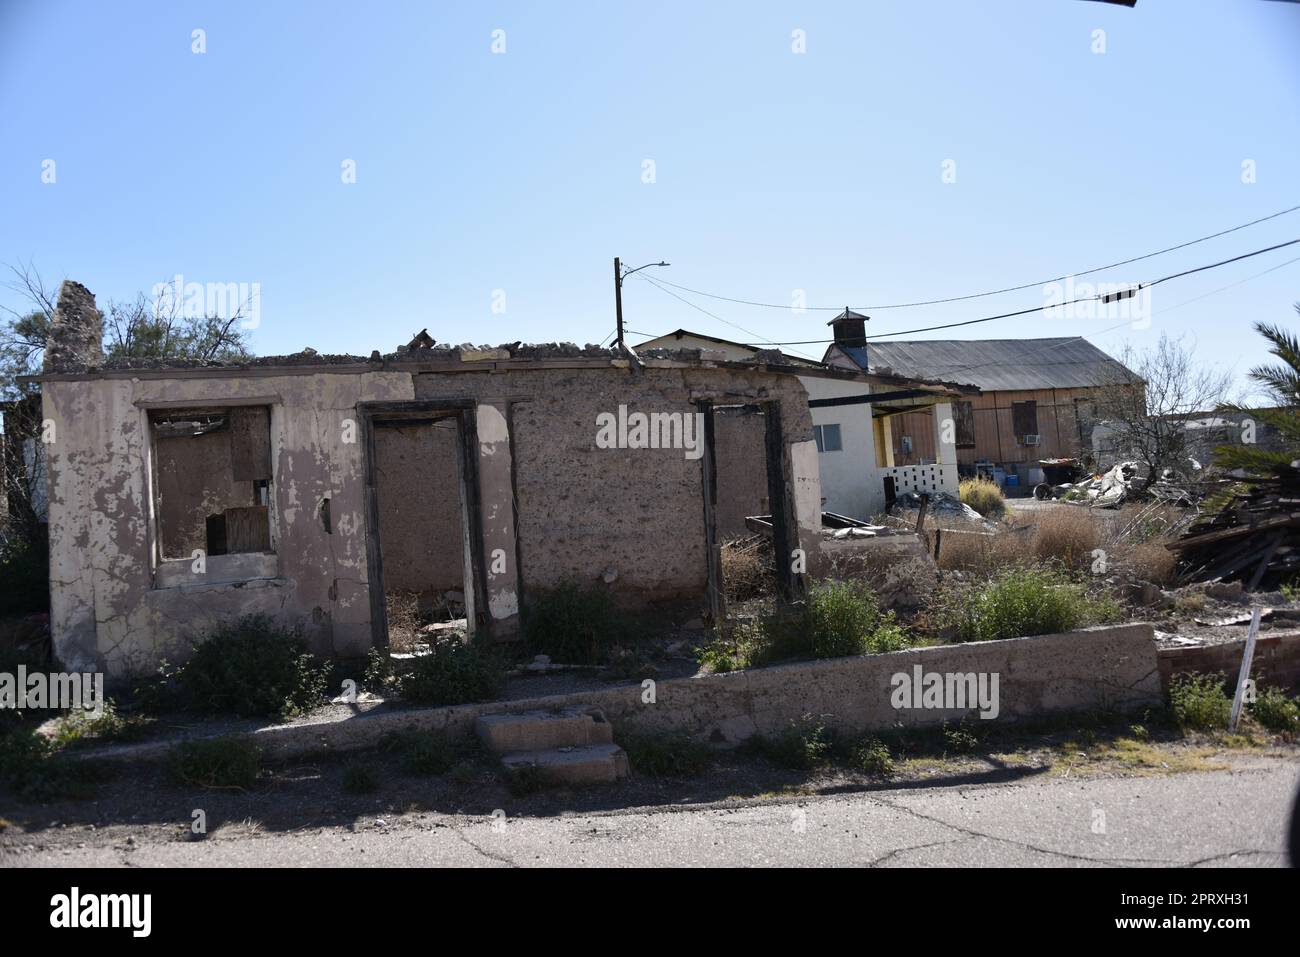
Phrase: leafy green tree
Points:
(1281, 383)
(141, 328)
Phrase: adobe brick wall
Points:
(578, 510)
(419, 508)
(1276, 661)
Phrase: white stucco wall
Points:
(850, 482)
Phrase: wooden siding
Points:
(995, 438)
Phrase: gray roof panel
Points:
(1000, 364)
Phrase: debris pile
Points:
(1252, 536)
(1108, 491)
(941, 505)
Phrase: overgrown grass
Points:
(455, 671)
(230, 761)
(872, 756)
(1024, 600)
(1200, 703)
(983, 495)
(804, 745)
(251, 668)
(838, 618)
(1155, 563)
(110, 725)
(1276, 711)
(675, 754)
(1067, 536)
(574, 625)
(809, 744)
(747, 569)
(34, 768)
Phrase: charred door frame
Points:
(464, 411)
(779, 496)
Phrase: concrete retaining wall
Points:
(1109, 668)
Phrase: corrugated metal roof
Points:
(1006, 364)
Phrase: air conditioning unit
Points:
(1032, 439)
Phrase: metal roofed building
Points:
(1037, 396)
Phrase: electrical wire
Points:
(992, 292)
(1058, 305)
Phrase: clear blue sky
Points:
(774, 171)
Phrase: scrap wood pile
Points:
(1249, 532)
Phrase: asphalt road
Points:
(1233, 818)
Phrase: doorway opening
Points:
(421, 515)
(746, 506)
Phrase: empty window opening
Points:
(421, 530)
(212, 481)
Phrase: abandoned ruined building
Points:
(183, 494)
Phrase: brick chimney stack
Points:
(76, 340)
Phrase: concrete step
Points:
(543, 730)
(580, 766)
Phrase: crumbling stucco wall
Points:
(581, 511)
(106, 613)
(419, 508)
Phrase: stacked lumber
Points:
(1252, 534)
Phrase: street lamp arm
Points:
(629, 272)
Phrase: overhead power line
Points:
(1128, 322)
(1055, 305)
(656, 283)
(991, 292)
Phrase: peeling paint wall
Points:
(106, 613)
(553, 505)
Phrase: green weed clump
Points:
(1275, 710)
(574, 625)
(675, 754)
(230, 761)
(454, 672)
(252, 668)
(1026, 600)
(1200, 703)
(837, 619)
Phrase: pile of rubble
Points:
(941, 505)
(1251, 534)
(1108, 491)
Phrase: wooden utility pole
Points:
(618, 299)
(619, 276)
